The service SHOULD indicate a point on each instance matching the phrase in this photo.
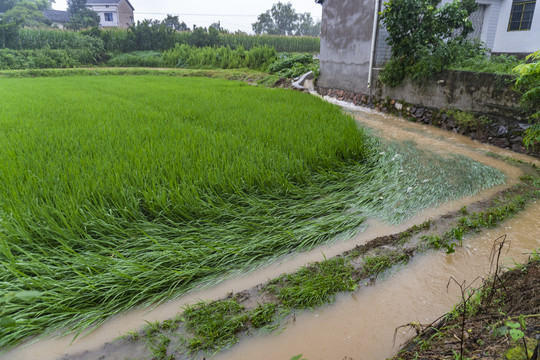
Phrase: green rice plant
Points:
(313, 285)
(214, 325)
(374, 265)
(122, 191)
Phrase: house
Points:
(113, 13)
(353, 42)
(58, 18)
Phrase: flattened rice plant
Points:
(123, 191)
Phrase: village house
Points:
(113, 13)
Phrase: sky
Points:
(232, 14)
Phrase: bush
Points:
(425, 38)
(137, 58)
(293, 65)
(45, 58)
(528, 82)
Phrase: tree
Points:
(174, 23)
(27, 13)
(6, 5)
(217, 26)
(282, 19)
(307, 27)
(80, 16)
(424, 37)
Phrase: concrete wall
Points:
(467, 91)
(516, 41)
(347, 27)
(101, 10)
(125, 14)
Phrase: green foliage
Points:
(28, 13)
(528, 82)
(36, 39)
(293, 65)
(8, 33)
(185, 56)
(8, 323)
(426, 38)
(262, 315)
(137, 59)
(214, 325)
(373, 265)
(80, 16)
(314, 285)
(45, 59)
(282, 19)
(494, 64)
(468, 121)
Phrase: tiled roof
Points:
(57, 15)
(107, 2)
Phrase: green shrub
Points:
(293, 65)
(137, 58)
(44, 59)
(185, 56)
(528, 82)
(496, 64)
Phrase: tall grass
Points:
(122, 191)
(184, 56)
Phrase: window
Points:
(521, 15)
(108, 17)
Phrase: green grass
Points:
(123, 191)
(313, 285)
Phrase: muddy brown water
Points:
(360, 325)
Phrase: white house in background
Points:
(508, 26)
(113, 13)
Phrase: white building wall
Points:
(526, 41)
(101, 10)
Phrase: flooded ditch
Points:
(361, 325)
(358, 325)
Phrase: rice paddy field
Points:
(123, 191)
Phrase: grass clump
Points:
(374, 265)
(214, 325)
(314, 285)
(262, 315)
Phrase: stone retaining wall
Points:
(492, 129)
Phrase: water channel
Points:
(359, 325)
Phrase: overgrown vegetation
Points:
(426, 37)
(184, 56)
(130, 209)
(293, 65)
(494, 64)
(528, 82)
